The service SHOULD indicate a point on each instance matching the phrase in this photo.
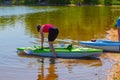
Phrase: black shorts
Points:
(53, 33)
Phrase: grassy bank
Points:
(60, 2)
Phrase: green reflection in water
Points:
(76, 23)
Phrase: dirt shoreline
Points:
(115, 71)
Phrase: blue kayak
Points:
(106, 45)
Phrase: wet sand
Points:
(114, 73)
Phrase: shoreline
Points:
(47, 4)
(115, 71)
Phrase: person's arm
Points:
(118, 26)
(119, 33)
(42, 37)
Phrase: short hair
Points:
(38, 27)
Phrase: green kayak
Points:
(69, 52)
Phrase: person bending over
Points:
(52, 35)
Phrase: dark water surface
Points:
(17, 29)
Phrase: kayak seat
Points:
(69, 47)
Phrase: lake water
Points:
(18, 29)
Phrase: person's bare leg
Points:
(118, 33)
(52, 48)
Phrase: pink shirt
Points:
(47, 27)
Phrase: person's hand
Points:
(41, 48)
(93, 40)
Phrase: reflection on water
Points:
(17, 29)
(22, 10)
(71, 21)
(53, 71)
